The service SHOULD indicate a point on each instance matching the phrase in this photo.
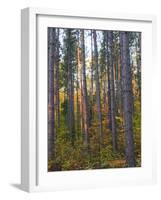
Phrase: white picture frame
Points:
(34, 176)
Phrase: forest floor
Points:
(75, 156)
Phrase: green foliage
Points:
(106, 155)
(75, 155)
(137, 131)
(64, 106)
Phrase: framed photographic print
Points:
(86, 106)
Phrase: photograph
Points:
(94, 99)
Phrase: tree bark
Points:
(108, 88)
(91, 89)
(70, 90)
(112, 90)
(51, 110)
(57, 80)
(85, 97)
(98, 99)
(138, 60)
(77, 84)
(127, 96)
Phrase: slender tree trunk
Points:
(108, 77)
(51, 110)
(85, 97)
(112, 91)
(116, 84)
(98, 99)
(91, 89)
(72, 106)
(121, 89)
(127, 98)
(138, 61)
(77, 82)
(81, 108)
(81, 104)
(119, 86)
(69, 84)
(80, 85)
(70, 89)
(104, 96)
(57, 80)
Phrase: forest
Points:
(94, 99)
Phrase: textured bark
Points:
(51, 111)
(91, 67)
(85, 97)
(77, 84)
(112, 91)
(119, 82)
(108, 91)
(104, 96)
(70, 90)
(98, 99)
(57, 80)
(117, 85)
(121, 57)
(81, 104)
(91, 89)
(138, 60)
(126, 78)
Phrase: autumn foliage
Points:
(94, 99)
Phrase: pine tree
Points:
(51, 108)
(112, 91)
(84, 91)
(98, 99)
(127, 98)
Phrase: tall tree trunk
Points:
(108, 77)
(104, 96)
(77, 84)
(91, 89)
(138, 61)
(81, 104)
(70, 91)
(127, 98)
(80, 117)
(51, 110)
(116, 84)
(85, 97)
(112, 90)
(119, 101)
(121, 89)
(98, 99)
(57, 80)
